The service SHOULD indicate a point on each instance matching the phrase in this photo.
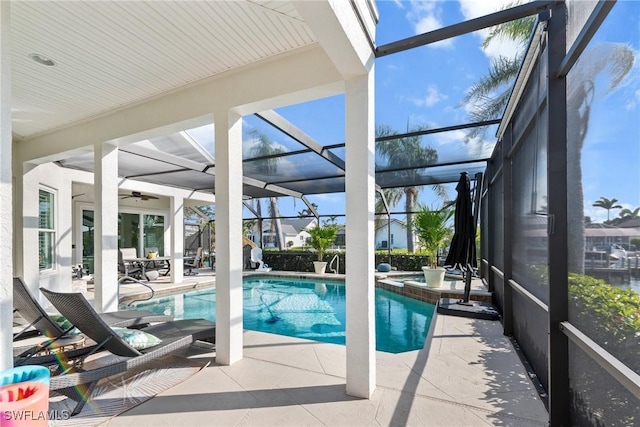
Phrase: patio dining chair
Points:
(127, 265)
(189, 266)
(41, 323)
(77, 383)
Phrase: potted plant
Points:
(321, 238)
(433, 229)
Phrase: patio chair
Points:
(126, 266)
(78, 384)
(189, 266)
(41, 323)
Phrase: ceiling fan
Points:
(138, 195)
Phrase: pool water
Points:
(307, 309)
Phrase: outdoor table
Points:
(145, 263)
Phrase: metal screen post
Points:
(507, 230)
(559, 396)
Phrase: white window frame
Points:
(51, 231)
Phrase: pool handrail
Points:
(129, 278)
(335, 258)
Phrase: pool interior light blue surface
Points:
(310, 309)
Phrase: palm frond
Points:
(502, 72)
(519, 30)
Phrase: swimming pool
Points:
(308, 309)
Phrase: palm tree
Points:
(626, 214)
(629, 214)
(607, 204)
(265, 147)
(307, 211)
(615, 58)
(403, 153)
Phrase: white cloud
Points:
(432, 97)
(631, 104)
(473, 9)
(451, 137)
(426, 16)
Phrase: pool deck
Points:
(468, 374)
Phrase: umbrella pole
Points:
(467, 284)
(476, 207)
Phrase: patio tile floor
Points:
(468, 374)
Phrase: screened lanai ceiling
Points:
(295, 164)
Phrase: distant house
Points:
(602, 235)
(396, 239)
(294, 231)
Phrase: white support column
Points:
(106, 227)
(228, 184)
(360, 195)
(6, 196)
(26, 215)
(176, 230)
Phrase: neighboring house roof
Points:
(299, 223)
(633, 222)
(393, 220)
(288, 230)
(290, 226)
(612, 232)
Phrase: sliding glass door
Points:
(129, 231)
(135, 230)
(153, 233)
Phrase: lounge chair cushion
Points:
(137, 338)
(64, 324)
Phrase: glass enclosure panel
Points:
(598, 399)
(154, 233)
(192, 239)
(88, 226)
(603, 146)
(531, 330)
(530, 242)
(496, 222)
(259, 139)
(578, 11)
(129, 231)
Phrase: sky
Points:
(424, 87)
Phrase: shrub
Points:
(611, 317)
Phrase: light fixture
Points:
(42, 59)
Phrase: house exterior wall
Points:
(398, 236)
(51, 178)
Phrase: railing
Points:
(335, 258)
(123, 278)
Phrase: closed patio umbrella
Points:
(462, 254)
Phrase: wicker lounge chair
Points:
(78, 384)
(40, 322)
